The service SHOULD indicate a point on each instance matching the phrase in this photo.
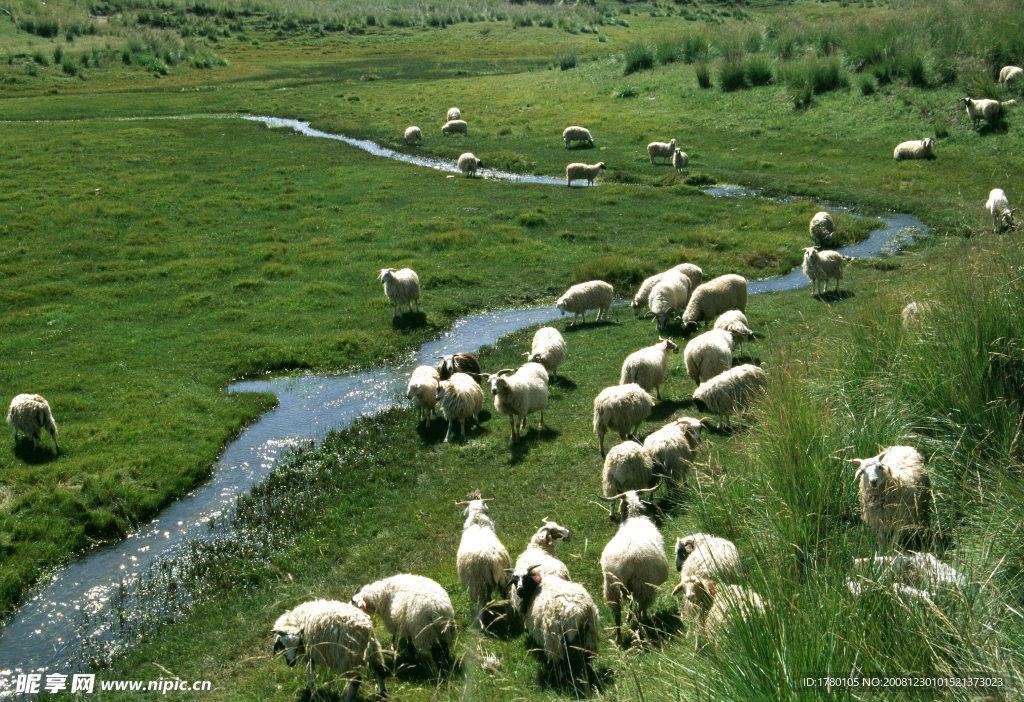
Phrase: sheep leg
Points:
(379, 671)
(512, 421)
(450, 423)
(600, 438)
(541, 419)
(462, 422)
(309, 676)
(616, 609)
(353, 687)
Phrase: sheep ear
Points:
(859, 473)
(510, 570)
(711, 588)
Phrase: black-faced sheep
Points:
(462, 362)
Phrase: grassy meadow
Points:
(148, 260)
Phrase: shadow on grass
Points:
(409, 321)
(23, 451)
(409, 665)
(564, 383)
(501, 621)
(666, 409)
(529, 439)
(579, 679)
(833, 296)
(570, 329)
(439, 427)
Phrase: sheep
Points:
(482, 559)
(1008, 73)
(659, 149)
(710, 299)
(520, 394)
(731, 391)
(672, 448)
(455, 126)
(633, 563)
(999, 207)
(462, 362)
(468, 163)
(819, 266)
(460, 397)
(577, 134)
(912, 315)
(822, 228)
(626, 467)
(691, 272)
(708, 558)
(680, 160)
(717, 607)
(548, 349)
(918, 574)
(895, 493)
(592, 295)
(908, 150)
(988, 110)
(735, 322)
(621, 408)
(708, 355)
(413, 136)
(581, 171)
(331, 634)
(668, 297)
(29, 414)
(647, 366)
(401, 287)
(454, 113)
(561, 616)
(540, 551)
(422, 392)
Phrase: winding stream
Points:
(71, 613)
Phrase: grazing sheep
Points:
(822, 229)
(819, 266)
(401, 287)
(454, 113)
(895, 493)
(577, 134)
(332, 634)
(1008, 73)
(647, 367)
(721, 294)
(718, 606)
(520, 394)
(460, 397)
(422, 392)
(680, 160)
(692, 273)
(455, 126)
(659, 149)
(29, 414)
(626, 467)
(708, 355)
(672, 448)
(908, 150)
(592, 295)
(415, 607)
(548, 349)
(413, 136)
(707, 557)
(633, 562)
(462, 362)
(999, 207)
(540, 552)
(669, 296)
(482, 560)
(731, 391)
(581, 171)
(621, 408)
(735, 322)
(468, 163)
(988, 110)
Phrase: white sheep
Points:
(461, 362)
(455, 126)
(422, 392)
(592, 295)
(735, 322)
(454, 113)
(669, 295)
(647, 367)
(577, 134)
(401, 287)
(710, 299)
(548, 349)
(29, 414)
(988, 110)
(895, 493)
(707, 557)
(999, 207)
(921, 575)
(621, 408)
(468, 163)
(626, 467)
(583, 171)
(822, 228)
(633, 563)
(913, 314)
(673, 448)
(692, 273)
(1008, 73)
(680, 160)
(659, 149)
(708, 354)
(731, 391)
(908, 150)
(413, 136)
(820, 266)
(718, 606)
(332, 634)
(540, 551)
(460, 397)
(415, 607)
(482, 559)
(520, 394)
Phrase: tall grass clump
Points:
(638, 57)
(758, 70)
(732, 75)
(694, 48)
(703, 75)
(666, 51)
(567, 61)
(813, 76)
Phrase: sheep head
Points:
(526, 584)
(289, 639)
(699, 592)
(553, 533)
(685, 545)
(872, 471)
(669, 345)
(387, 274)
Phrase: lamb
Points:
(415, 607)
(999, 207)
(468, 163)
(680, 160)
(577, 134)
(668, 297)
(708, 355)
(647, 366)
(548, 349)
(895, 493)
(822, 229)
(462, 362)
(988, 110)
(731, 391)
(413, 136)
(672, 448)
(401, 287)
(659, 149)
(621, 408)
(626, 467)
(633, 562)
(1008, 73)
(422, 392)
(29, 414)
(455, 126)
(735, 322)
(332, 634)
(454, 113)
(460, 397)
(592, 295)
(718, 606)
(520, 394)
(819, 266)
(907, 150)
(581, 171)
(482, 559)
(721, 294)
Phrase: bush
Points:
(758, 70)
(69, 66)
(731, 76)
(58, 55)
(626, 91)
(703, 75)
(638, 57)
(567, 61)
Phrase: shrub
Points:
(638, 57)
(626, 91)
(69, 66)
(40, 58)
(567, 61)
(694, 48)
(758, 70)
(703, 75)
(666, 51)
(731, 75)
